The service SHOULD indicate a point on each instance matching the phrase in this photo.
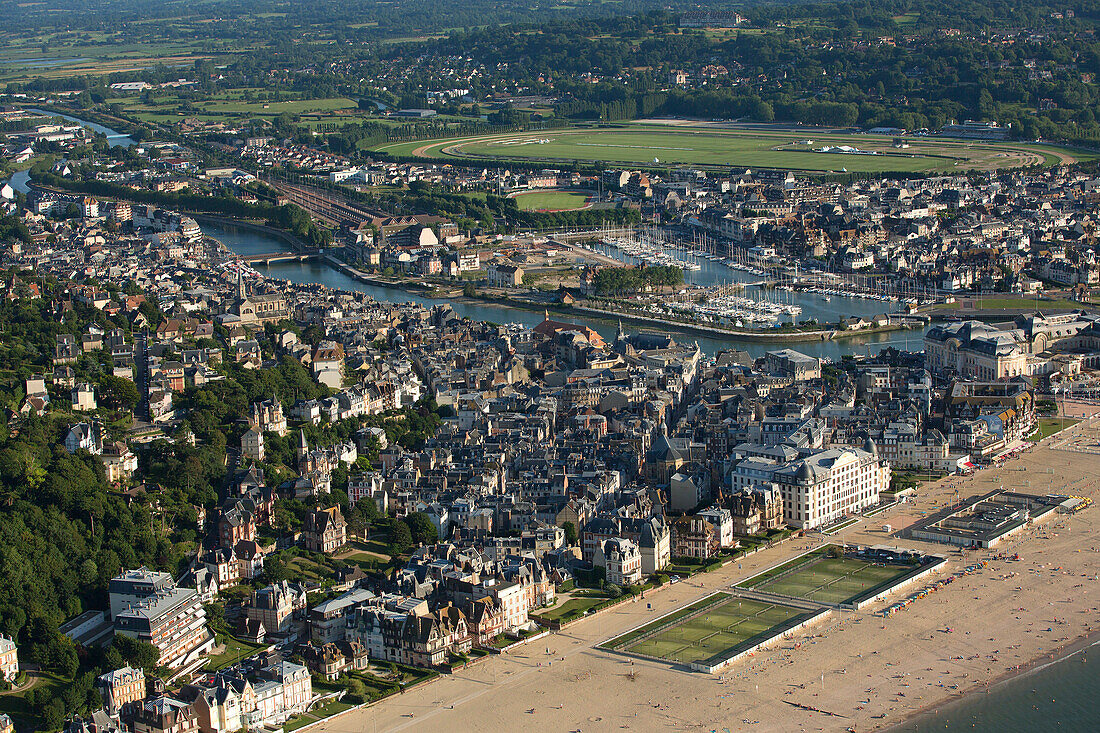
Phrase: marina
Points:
(246, 242)
(706, 262)
(650, 246)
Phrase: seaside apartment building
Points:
(275, 606)
(621, 561)
(826, 486)
(150, 607)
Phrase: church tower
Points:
(303, 449)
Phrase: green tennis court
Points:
(831, 579)
(715, 631)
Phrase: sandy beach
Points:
(869, 672)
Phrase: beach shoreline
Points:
(1037, 601)
(1069, 650)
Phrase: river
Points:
(246, 242)
(114, 137)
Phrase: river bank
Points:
(246, 242)
(296, 245)
(762, 334)
(428, 289)
(114, 137)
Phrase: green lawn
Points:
(15, 705)
(297, 106)
(330, 709)
(738, 622)
(573, 607)
(309, 568)
(235, 649)
(551, 200)
(376, 686)
(366, 560)
(1050, 425)
(686, 566)
(325, 711)
(299, 722)
(794, 149)
(827, 580)
(377, 545)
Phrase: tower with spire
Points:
(303, 447)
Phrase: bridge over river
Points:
(270, 259)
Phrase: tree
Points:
(421, 528)
(215, 616)
(89, 572)
(368, 509)
(53, 713)
(118, 393)
(400, 538)
(357, 691)
(360, 516)
(469, 290)
(570, 533)
(137, 653)
(276, 571)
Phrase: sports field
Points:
(713, 632)
(826, 579)
(551, 200)
(801, 149)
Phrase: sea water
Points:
(1060, 696)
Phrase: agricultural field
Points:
(727, 146)
(552, 200)
(827, 579)
(66, 54)
(710, 633)
(237, 105)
